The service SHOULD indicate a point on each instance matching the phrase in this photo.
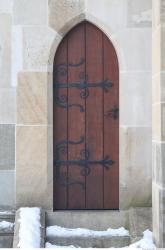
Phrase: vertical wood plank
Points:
(94, 117)
(111, 127)
(76, 117)
(60, 126)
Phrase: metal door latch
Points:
(114, 112)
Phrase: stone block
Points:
(139, 13)
(37, 43)
(35, 14)
(6, 241)
(135, 108)
(140, 219)
(111, 12)
(6, 6)
(7, 146)
(32, 98)
(158, 201)
(7, 105)
(5, 50)
(156, 51)
(17, 53)
(135, 49)
(163, 48)
(33, 188)
(135, 158)
(156, 88)
(156, 121)
(63, 11)
(7, 189)
(158, 163)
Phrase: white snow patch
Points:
(145, 242)
(6, 225)
(6, 212)
(83, 232)
(49, 245)
(29, 232)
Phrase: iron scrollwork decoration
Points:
(83, 162)
(114, 112)
(82, 84)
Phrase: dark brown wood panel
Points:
(60, 126)
(86, 121)
(94, 117)
(111, 126)
(76, 117)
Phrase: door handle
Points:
(114, 112)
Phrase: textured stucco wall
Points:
(35, 35)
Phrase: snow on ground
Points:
(83, 232)
(145, 242)
(48, 245)
(29, 231)
(6, 212)
(6, 225)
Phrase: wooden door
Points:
(86, 121)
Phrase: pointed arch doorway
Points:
(86, 121)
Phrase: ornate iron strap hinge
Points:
(61, 70)
(84, 162)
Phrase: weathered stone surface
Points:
(135, 46)
(7, 146)
(31, 12)
(91, 242)
(63, 11)
(156, 53)
(156, 121)
(158, 202)
(136, 109)
(158, 163)
(139, 13)
(109, 12)
(157, 89)
(33, 187)
(88, 219)
(6, 241)
(140, 219)
(17, 53)
(7, 105)
(135, 158)
(37, 43)
(5, 50)
(32, 98)
(7, 189)
(163, 48)
(6, 6)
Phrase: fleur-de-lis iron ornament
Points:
(82, 84)
(84, 161)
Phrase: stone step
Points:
(95, 220)
(92, 242)
(140, 219)
(6, 241)
(6, 235)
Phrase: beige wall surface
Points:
(35, 38)
(158, 122)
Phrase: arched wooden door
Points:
(86, 121)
